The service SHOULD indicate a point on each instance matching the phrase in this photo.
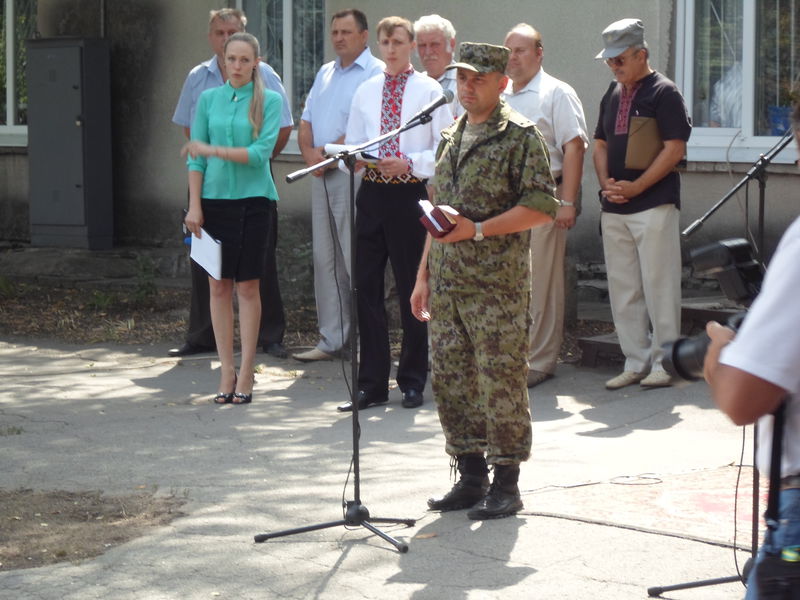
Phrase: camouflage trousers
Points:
(479, 344)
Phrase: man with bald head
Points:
(555, 108)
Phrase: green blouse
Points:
(221, 119)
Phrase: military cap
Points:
(481, 58)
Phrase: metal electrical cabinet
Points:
(69, 143)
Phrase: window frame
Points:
(292, 147)
(11, 135)
(724, 144)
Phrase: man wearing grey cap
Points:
(640, 200)
(473, 285)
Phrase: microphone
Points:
(446, 98)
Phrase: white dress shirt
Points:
(557, 111)
(419, 143)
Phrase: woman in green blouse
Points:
(230, 184)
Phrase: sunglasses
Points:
(619, 61)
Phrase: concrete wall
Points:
(155, 43)
(571, 37)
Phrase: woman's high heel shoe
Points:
(240, 398)
(222, 398)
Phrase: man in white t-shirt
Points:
(752, 373)
(557, 111)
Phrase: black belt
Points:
(790, 482)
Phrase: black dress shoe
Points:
(364, 401)
(188, 349)
(276, 349)
(412, 399)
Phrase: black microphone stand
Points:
(757, 171)
(355, 513)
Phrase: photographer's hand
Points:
(742, 396)
(720, 337)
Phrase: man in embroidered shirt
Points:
(387, 217)
(555, 108)
(474, 285)
(223, 23)
(436, 42)
(324, 121)
(641, 239)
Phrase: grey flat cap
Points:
(621, 35)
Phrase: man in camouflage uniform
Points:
(492, 167)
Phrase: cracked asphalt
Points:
(625, 490)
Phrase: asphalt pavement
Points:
(625, 490)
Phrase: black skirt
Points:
(241, 227)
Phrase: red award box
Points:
(438, 220)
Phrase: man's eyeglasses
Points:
(619, 61)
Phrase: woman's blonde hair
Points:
(256, 115)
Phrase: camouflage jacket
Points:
(508, 167)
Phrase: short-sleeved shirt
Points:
(207, 75)
(328, 104)
(767, 346)
(506, 165)
(223, 119)
(656, 97)
(555, 108)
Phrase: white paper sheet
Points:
(207, 252)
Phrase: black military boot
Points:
(470, 487)
(503, 498)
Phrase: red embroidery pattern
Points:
(624, 110)
(391, 106)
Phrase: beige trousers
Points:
(548, 246)
(643, 267)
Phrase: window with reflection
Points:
(720, 82)
(296, 56)
(777, 64)
(17, 24)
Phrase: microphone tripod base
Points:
(356, 515)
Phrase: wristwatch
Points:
(565, 203)
(478, 237)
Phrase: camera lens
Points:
(684, 357)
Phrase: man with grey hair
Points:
(222, 24)
(555, 108)
(640, 202)
(436, 42)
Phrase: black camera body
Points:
(739, 275)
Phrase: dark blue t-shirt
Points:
(657, 97)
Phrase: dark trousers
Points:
(388, 228)
(273, 321)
